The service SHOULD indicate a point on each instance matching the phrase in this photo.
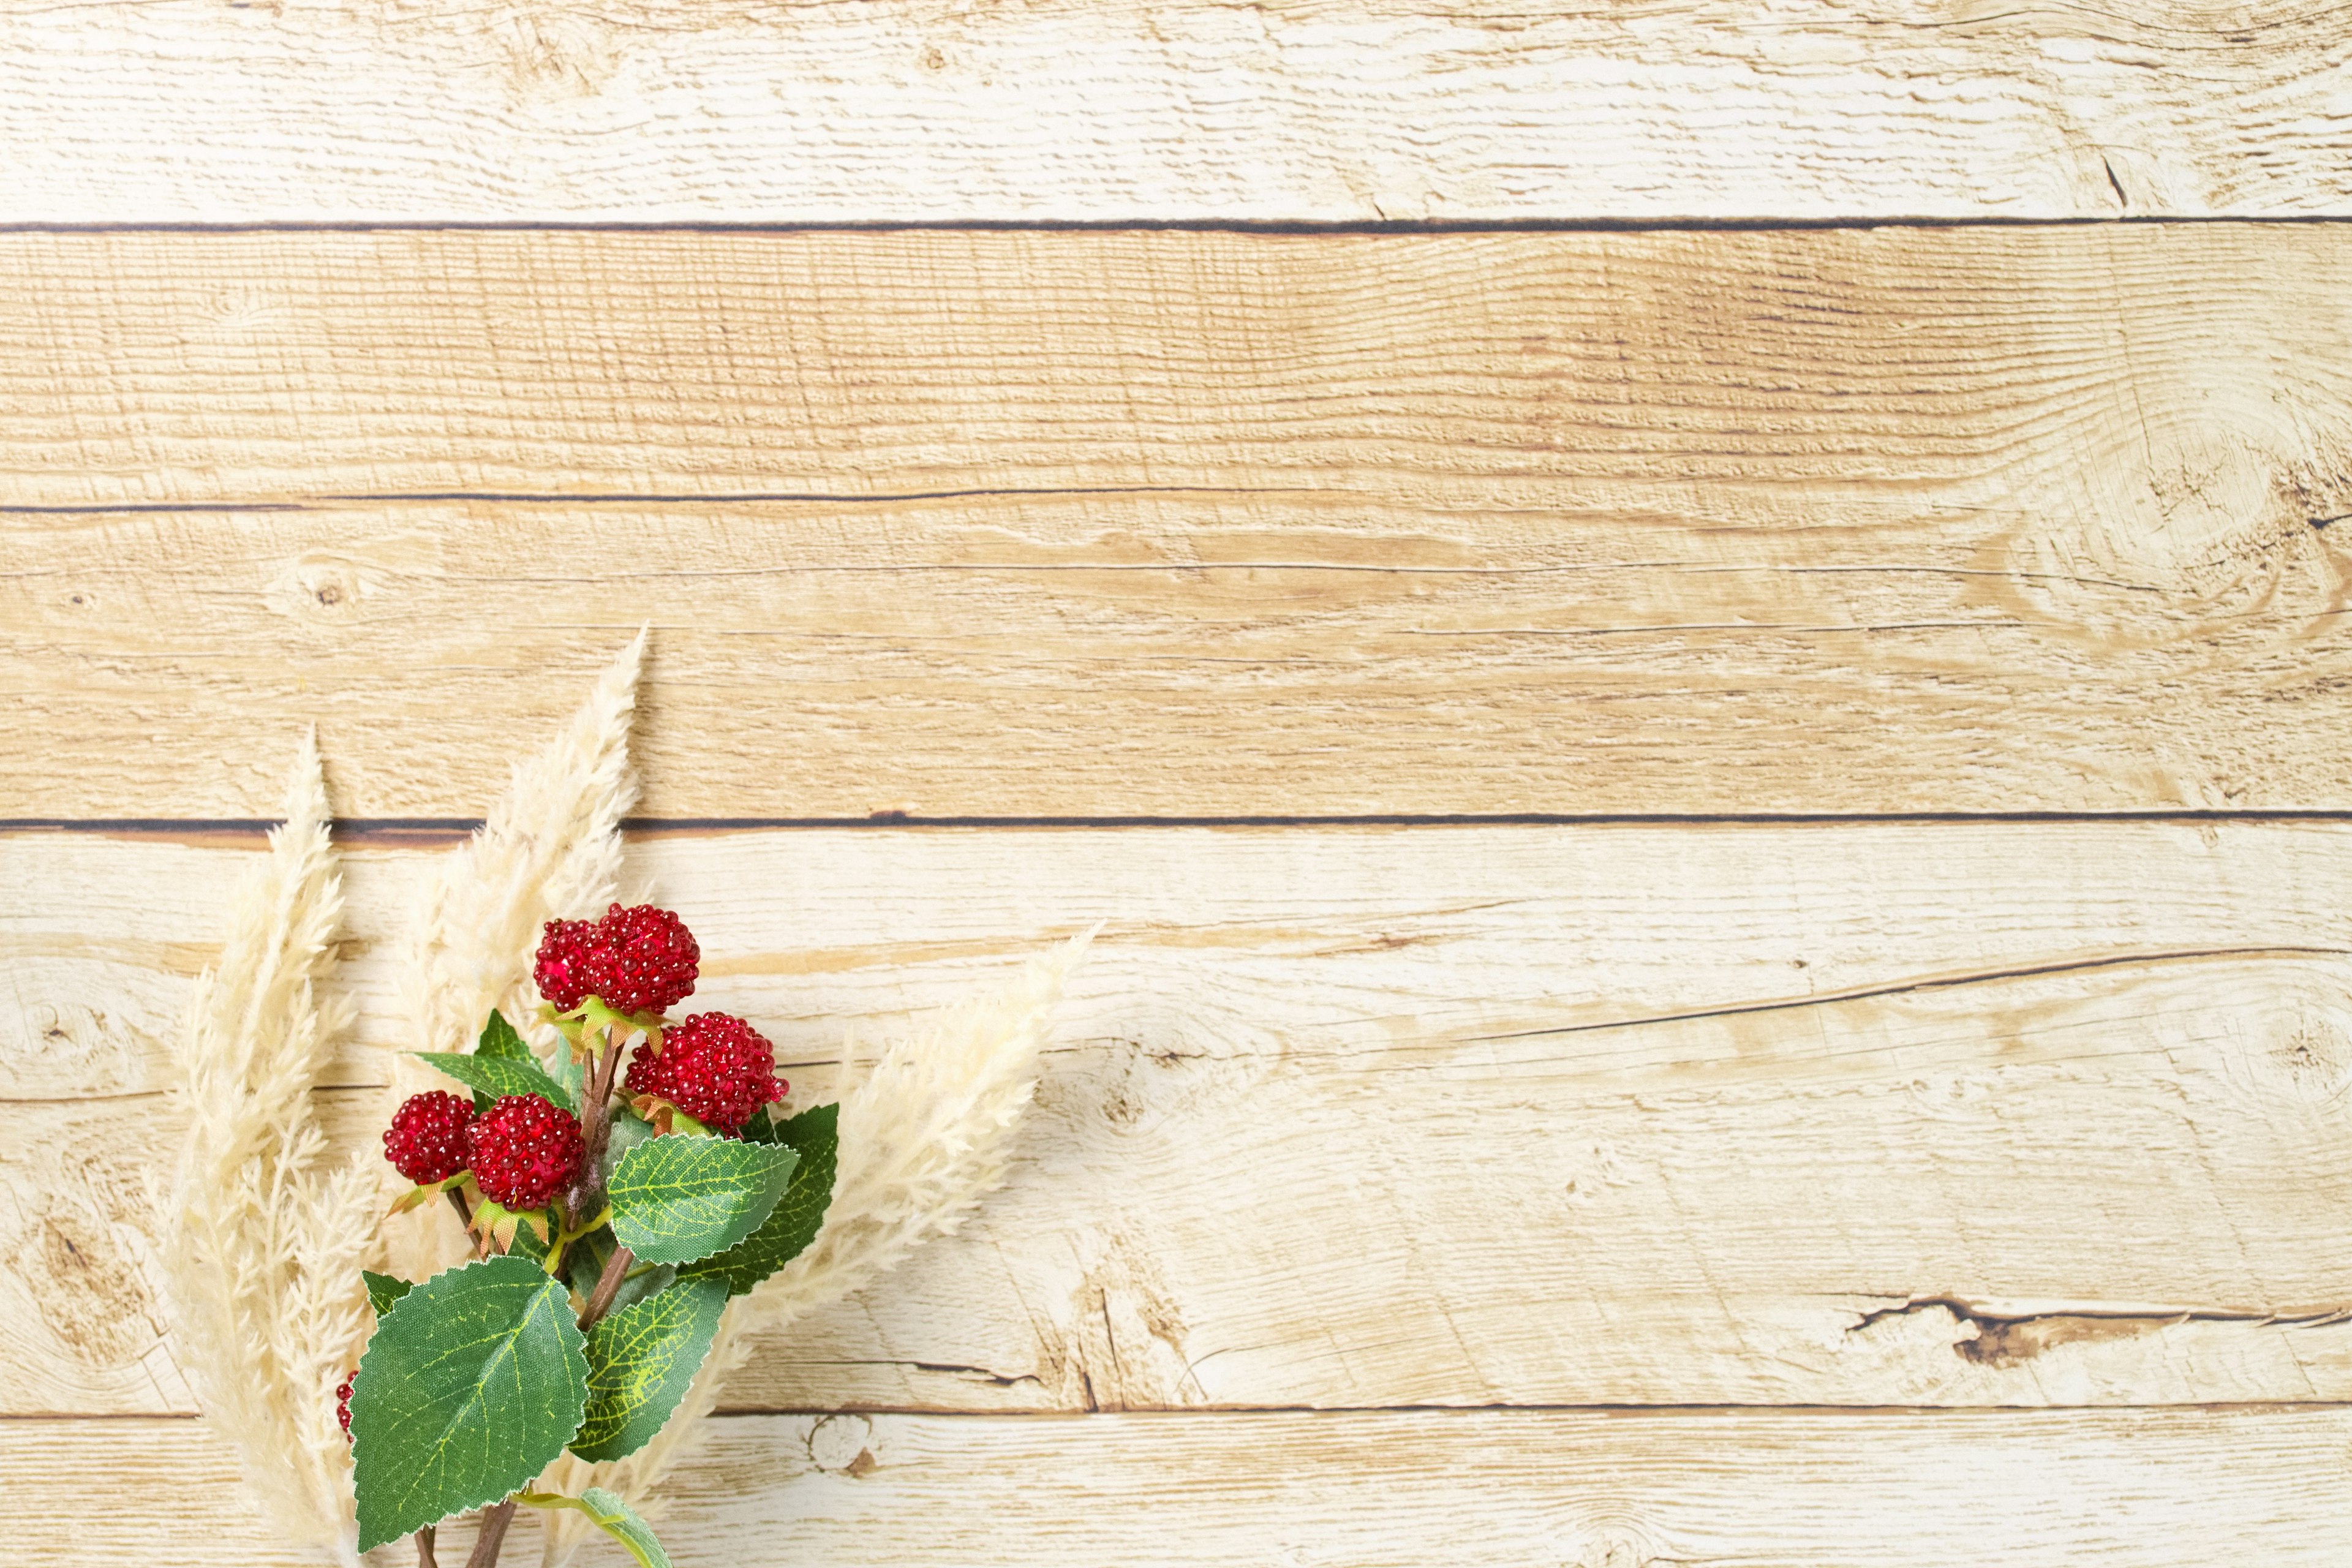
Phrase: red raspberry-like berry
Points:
(426, 1140)
(343, 1403)
(638, 960)
(717, 1068)
(523, 1149)
(562, 971)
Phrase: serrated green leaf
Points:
(793, 1224)
(640, 1361)
(474, 1381)
(497, 1075)
(384, 1290)
(760, 1129)
(611, 1514)
(676, 1199)
(499, 1041)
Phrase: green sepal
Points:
(426, 1193)
(677, 1199)
(384, 1290)
(496, 1076)
(640, 1361)
(525, 1227)
(798, 1215)
(473, 1382)
(611, 1514)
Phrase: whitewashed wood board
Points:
(1350, 111)
(1892, 1114)
(2127, 1488)
(1182, 525)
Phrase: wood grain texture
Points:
(1187, 524)
(1958, 1114)
(1327, 110)
(2136, 1489)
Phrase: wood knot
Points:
(842, 1446)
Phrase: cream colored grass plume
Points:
(926, 1131)
(549, 848)
(264, 1241)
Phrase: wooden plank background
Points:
(1723, 849)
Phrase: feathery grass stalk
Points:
(262, 1259)
(924, 1135)
(551, 847)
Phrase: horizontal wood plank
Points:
(2135, 1489)
(174, 110)
(1957, 1114)
(1186, 524)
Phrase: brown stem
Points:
(596, 1122)
(425, 1548)
(493, 1536)
(608, 1285)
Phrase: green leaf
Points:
(624, 1132)
(639, 1363)
(613, 1515)
(676, 1199)
(474, 1381)
(499, 1041)
(384, 1290)
(760, 1129)
(815, 1135)
(497, 1075)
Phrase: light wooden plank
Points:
(1951, 1114)
(2135, 1488)
(1219, 525)
(1345, 109)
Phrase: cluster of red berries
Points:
(714, 1066)
(640, 959)
(524, 1149)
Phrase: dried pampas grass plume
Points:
(925, 1134)
(549, 848)
(262, 1258)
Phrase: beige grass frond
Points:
(262, 1253)
(549, 848)
(926, 1132)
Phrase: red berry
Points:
(426, 1140)
(717, 1068)
(343, 1403)
(523, 1149)
(562, 971)
(638, 960)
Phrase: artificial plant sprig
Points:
(479, 1376)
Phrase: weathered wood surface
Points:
(1323, 110)
(1188, 524)
(2131, 1488)
(1877, 1115)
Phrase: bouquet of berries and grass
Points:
(612, 1214)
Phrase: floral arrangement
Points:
(628, 1204)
